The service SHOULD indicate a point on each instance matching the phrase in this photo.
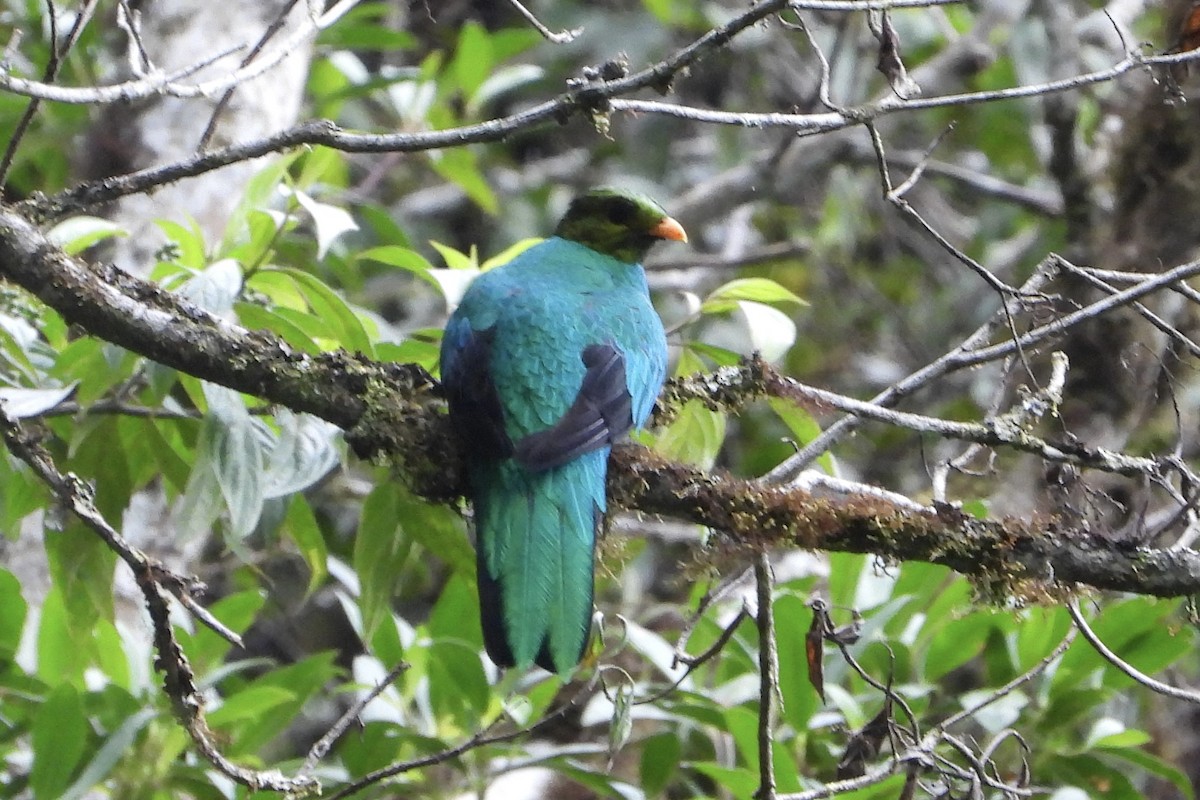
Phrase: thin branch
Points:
(869, 778)
(1006, 689)
(272, 29)
(155, 581)
(168, 83)
(768, 676)
(57, 55)
(1047, 203)
(589, 97)
(1133, 672)
(1167, 328)
(480, 739)
(972, 353)
(322, 745)
(559, 37)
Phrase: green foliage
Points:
(318, 245)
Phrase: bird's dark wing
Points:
(601, 413)
(467, 378)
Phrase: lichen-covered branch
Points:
(155, 582)
(391, 410)
(1006, 557)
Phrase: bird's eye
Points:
(620, 214)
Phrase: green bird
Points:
(547, 361)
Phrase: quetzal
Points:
(545, 363)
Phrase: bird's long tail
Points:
(536, 536)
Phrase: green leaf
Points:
(379, 554)
(365, 27)
(301, 525)
(402, 258)
(695, 435)
(1156, 767)
(461, 166)
(440, 531)
(331, 308)
(759, 290)
(215, 288)
(81, 566)
(659, 763)
(1039, 633)
(188, 241)
(76, 234)
(303, 453)
(454, 259)
(957, 642)
(509, 253)
(237, 612)
(501, 82)
(258, 318)
(237, 458)
(248, 704)
(458, 687)
(59, 656)
(472, 58)
(770, 331)
(12, 614)
(59, 735)
(302, 681)
(740, 782)
(804, 427)
(115, 748)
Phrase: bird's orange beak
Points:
(668, 228)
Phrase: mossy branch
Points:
(392, 410)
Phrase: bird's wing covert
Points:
(601, 413)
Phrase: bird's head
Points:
(618, 223)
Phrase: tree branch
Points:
(391, 409)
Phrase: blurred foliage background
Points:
(335, 573)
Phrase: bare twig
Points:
(272, 29)
(1008, 688)
(482, 738)
(158, 83)
(321, 747)
(57, 54)
(558, 37)
(1133, 672)
(587, 98)
(155, 581)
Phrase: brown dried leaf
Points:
(890, 63)
(814, 648)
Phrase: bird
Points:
(545, 363)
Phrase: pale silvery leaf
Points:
(502, 81)
(20, 403)
(216, 288)
(659, 652)
(772, 332)
(77, 234)
(233, 452)
(303, 454)
(238, 463)
(453, 283)
(201, 503)
(330, 221)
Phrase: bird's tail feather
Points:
(536, 548)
